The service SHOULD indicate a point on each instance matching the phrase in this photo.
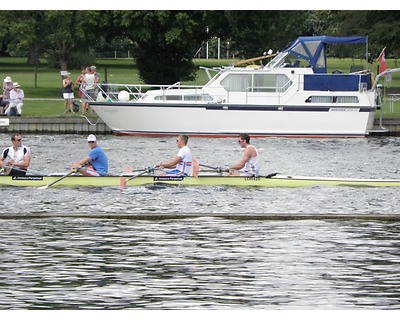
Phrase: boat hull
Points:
(278, 181)
(210, 120)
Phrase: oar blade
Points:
(43, 187)
(122, 183)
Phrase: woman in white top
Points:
(88, 92)
(249, 165)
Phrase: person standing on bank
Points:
(89, 93)
(68, 93)
(249, 165)
(96, 163)
(15, 160)
(182, 164)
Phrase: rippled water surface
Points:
(204, 247)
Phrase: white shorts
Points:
(68, 95)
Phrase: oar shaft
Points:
(207, 166)
(63, 177)
(15, 168)
(137, 175)
(218, 169)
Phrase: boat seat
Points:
(195, 168)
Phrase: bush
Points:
(78, 59)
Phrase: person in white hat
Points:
(7, 87)
(96, 163)
(16, 100)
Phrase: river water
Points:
(146, 248)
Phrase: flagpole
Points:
(366, 55)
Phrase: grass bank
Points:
(43, 85)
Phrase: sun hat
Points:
(91, 137)
(7, 79)
(16, 85)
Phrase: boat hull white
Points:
(226, 120)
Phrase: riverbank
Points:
(41, 125)
(85, 125)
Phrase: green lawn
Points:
(45, 83)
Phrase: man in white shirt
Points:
(182, 164)
(249, 165)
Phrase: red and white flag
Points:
(382, 60)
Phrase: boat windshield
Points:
(278, 61)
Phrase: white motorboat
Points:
(291, 96)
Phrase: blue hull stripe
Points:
(239, 107)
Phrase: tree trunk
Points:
(33, 57)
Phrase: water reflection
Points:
(198, 263)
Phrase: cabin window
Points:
(271, 83)
(332, 99)
(197, 97)
(191, 97)
(237, 82)
(246, 82)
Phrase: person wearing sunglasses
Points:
(94, 164)
(181, 165)
(249, 165)
(15, 160)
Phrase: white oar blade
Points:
(43, 187)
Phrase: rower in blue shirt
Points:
(96, 163)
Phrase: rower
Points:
(181, 165)
(15, 160)
(249, 165)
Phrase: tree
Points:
(57, 35)
(257, 31)
(165, 42)
(380, 26)
(24, 34)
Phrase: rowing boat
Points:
(270, 181)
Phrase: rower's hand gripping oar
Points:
(123, 181)
(74, 170)
(21, 170)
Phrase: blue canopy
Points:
(313, 49)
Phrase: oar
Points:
(270, 175)
(123, 181)
(63, 177)
(218, 169)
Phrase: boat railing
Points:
(110, 92)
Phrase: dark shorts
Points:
(17, 172)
